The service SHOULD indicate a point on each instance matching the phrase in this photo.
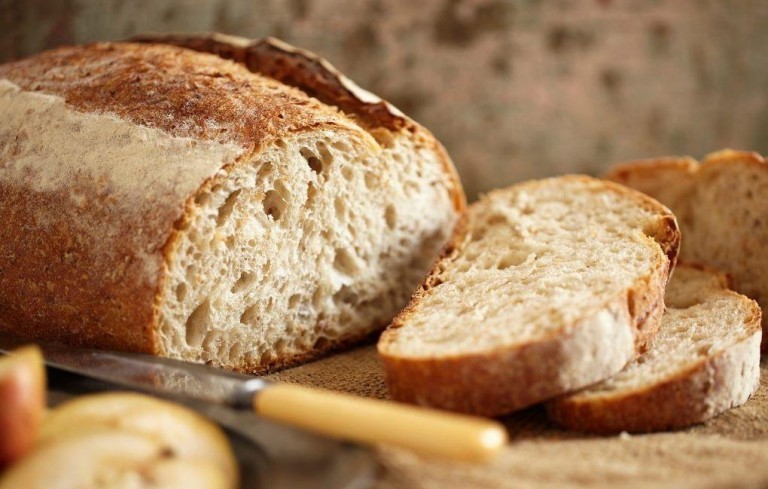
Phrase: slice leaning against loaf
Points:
(705, 359)
(561, 281)
(168, 201)
(721, 206)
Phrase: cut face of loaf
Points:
(162, 200)
(721, 205)
(314, 243)
(558, 284)
(705, 359)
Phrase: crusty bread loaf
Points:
(161, 200)
(559, 284)
(705, 359)
(721, 205)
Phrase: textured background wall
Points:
(514, 89)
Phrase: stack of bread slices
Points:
(568, 291)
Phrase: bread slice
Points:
(560, 282)
(705, 359)
(720, 204)
(168, 201)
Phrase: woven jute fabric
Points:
(728, 451)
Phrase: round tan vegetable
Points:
(126, 440)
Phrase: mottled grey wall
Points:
(514, 89)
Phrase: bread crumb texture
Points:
(539, 256)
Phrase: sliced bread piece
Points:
(721, 205)
(559, 283)
(705, 359)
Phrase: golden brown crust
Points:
(172, 89)
(506, 379)
(622, 172)
(319, 79)
(295, 67)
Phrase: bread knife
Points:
(324, 412)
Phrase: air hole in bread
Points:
(210, 341)
(198, 324)
(341, 147)
(280, 346)
(230, 244)
(311, 194)
(371, 181)
(244, 281)
(226, 208)
(266, 357)
(682, 303)
(340, 207)
(318, 298)
(321, 343)
(384, 137)
(293, 301)
(250, 315)
(273, 205)
(181, 292)
(315, 163)
(390, 215)
(345, 263)
(202, 199)
(347, 173)
(704, 349)
(235, 351)
(511, 260)
(325, 155)
(264, 170)
(346, 295)
(631, 302)
(280, 143)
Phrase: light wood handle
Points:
(370, 421)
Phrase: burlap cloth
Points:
(729, 451)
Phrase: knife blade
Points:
(324, 412)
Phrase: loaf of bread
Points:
(705, 359)
(560, 283)
(162, 200)
(720, 204)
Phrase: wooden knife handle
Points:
(369, 421)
